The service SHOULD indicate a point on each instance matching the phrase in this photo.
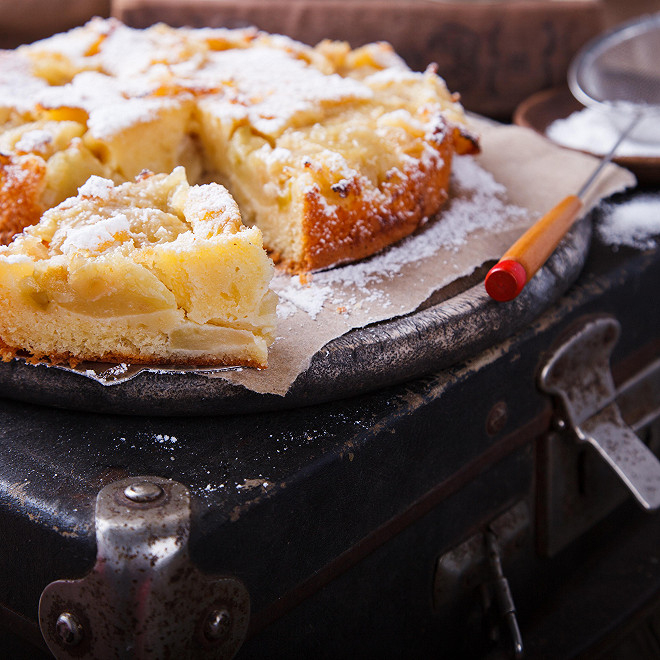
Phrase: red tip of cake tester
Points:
(505, 280)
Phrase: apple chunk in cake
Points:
(150, 271)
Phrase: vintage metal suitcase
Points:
(461, 510)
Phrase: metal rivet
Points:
(68, 629)
(143, 491)
(217, 625)
(559, 424)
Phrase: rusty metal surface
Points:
(438, 336)
(144, 598)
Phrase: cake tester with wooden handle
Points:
(508, 277)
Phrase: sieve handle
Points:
(507, 278)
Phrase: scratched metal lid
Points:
(457, 322)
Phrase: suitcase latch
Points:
(144, 598)
(470, 583)
(578, 374)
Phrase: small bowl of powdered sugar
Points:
(557, 115)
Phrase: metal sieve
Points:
(619, 71)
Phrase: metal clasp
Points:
(470, 574)
(578, 374)
(144, 598)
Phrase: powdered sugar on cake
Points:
(275, 88)
(96, 186)
(36, 141)
(99, 232)
(17, 86)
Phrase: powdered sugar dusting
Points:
(275, 88)
(98, 233)
(75, 43)
(109, 120)
(118, 86)
(88, 90)
(212, 200)
(128, 50)
(14, 258)
(309, 298)
(36, 141)
(17, 86)
(96, 186)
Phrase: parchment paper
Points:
(494, 197)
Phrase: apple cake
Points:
(150, 271)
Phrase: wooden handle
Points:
(520, 262)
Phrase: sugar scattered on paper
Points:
(309, 299)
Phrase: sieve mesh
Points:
(622, 67)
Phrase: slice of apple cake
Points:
(150, 271)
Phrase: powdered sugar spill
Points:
(167, 441)
(634, 224)
(479, 202)
(161, 442)
(258, 484)
(309, 297)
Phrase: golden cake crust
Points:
(358, 229)
(22, 182)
